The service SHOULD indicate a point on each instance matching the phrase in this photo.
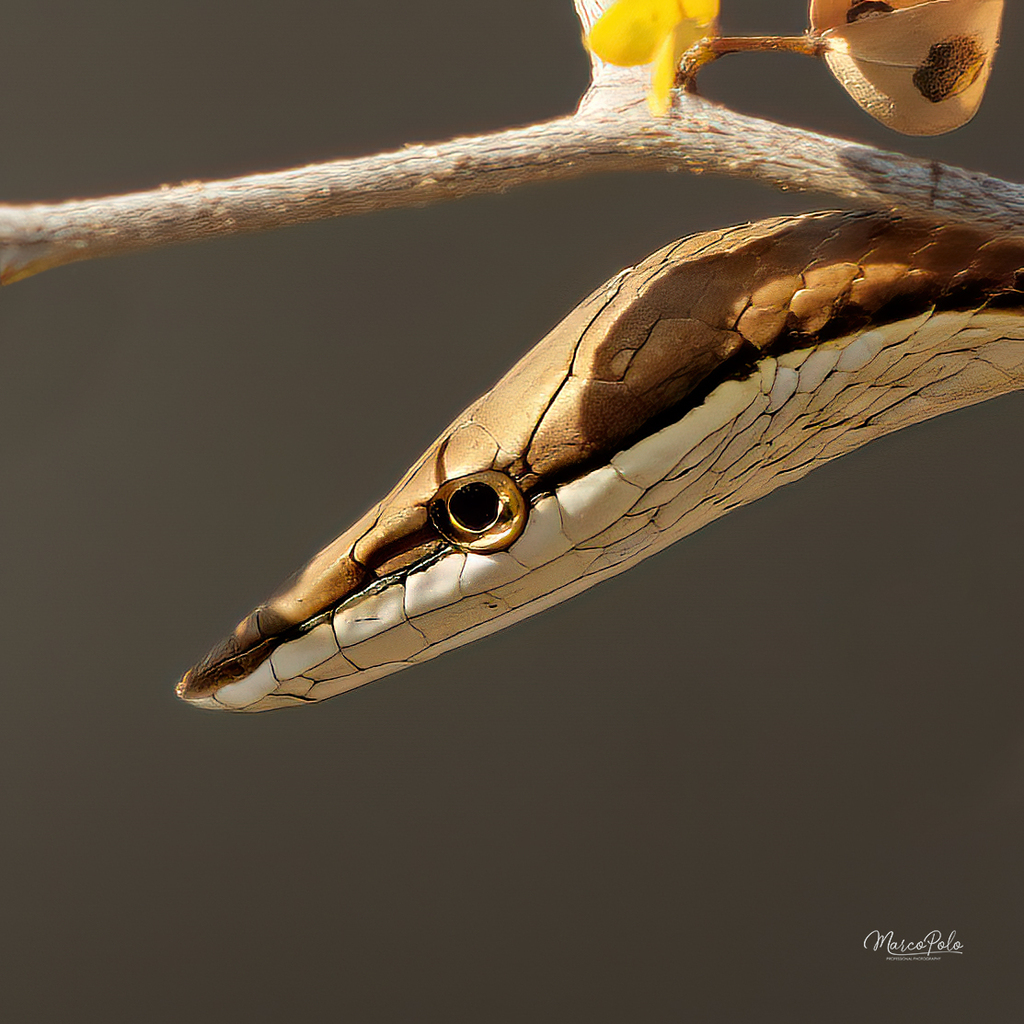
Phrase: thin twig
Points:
(709, 50)
(611, 131)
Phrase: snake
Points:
(721, 367)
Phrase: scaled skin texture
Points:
(720, 368)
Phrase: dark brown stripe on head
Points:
(765, 288)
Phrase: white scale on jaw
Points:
(650, 495)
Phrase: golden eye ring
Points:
(481, 512)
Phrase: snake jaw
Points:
(389, 624)
(437, 603)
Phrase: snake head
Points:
(719, 368)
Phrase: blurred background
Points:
(690, 792)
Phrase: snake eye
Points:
(481, 512)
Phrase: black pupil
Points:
(474, 507)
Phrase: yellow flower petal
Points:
(663, 77)
(632, 31)
(635, 32)
(702, 11)
(663, 74)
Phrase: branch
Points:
(611, 131)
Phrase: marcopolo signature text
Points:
(928, 948)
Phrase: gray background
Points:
(689, 793)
